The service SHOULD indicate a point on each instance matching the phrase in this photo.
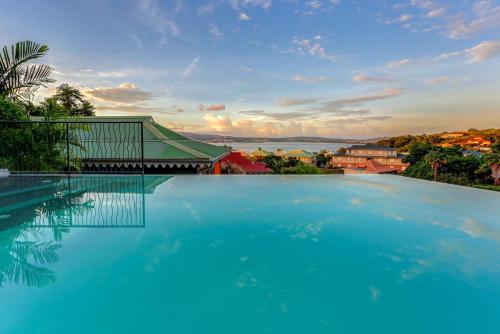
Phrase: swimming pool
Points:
(247, 254)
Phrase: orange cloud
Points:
(216, 107)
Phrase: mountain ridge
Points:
(305, 139)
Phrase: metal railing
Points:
(72, 146)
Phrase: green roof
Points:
(299, 154)
(118, 139)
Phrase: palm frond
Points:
(18, 81)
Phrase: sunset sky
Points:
(335, 68)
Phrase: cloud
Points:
(405, 17)
(483, 51)
(343, 107)
(312, 47)
(288, 102)
(484, 14)
(171, 125)
(209, 8)
(249, 127)
(158, 20)
(238, 4)
(436, 12)
(437, 81)
(246, 69)
(358, 120)
(132, 108)
(124, 93)
(315, 4)
(191, 67)
(398, 63)
(455, 19)
(218, 123)
(448, 55)
(215, 32)
(309, 79)
(216, 107)
(362, 77)
(281, 116)
(357, 100)
(244, 17)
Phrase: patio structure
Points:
(114, 145)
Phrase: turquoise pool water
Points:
(262, 254)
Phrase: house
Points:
(280, 153)
(476, 141)
(305, 157)
(237, 163)
(113, 144)
(260, 154)
(371, 167)
(370, 158)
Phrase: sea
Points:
(286, 146)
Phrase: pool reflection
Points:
(35, 214)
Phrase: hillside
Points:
(474, 139)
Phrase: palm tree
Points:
(435, 159)
(492, 161)
(17, 80)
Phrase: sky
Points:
(332, 68)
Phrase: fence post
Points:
(67, 147)
(142, 147)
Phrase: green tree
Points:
(70, 98)
(417, 152)
(87, 109)
(11, 110)
(435, 159)
(19, 80)
(492, 161)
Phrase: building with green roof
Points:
(114, 144)
(301, 155)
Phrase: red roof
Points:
(245, 164)
(376, 167)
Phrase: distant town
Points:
(462, 157)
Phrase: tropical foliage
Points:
(24, 250)
(29, 146)
(19, 80)
(451, 166)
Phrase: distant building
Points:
(280, 153)
(469, 153)
(369, 159)
(477, 141)
(260, 154)
(237, 163)
(305, 157)
(452, 135)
